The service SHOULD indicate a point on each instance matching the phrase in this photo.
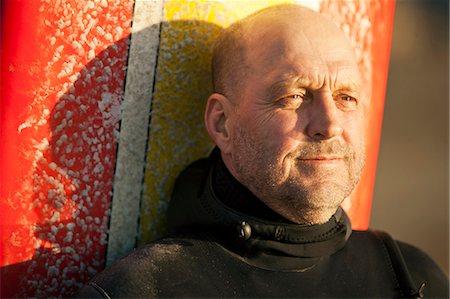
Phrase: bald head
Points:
(266, 34)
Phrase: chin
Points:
(315, 206)
(313, 216)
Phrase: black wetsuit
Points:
(226, 243)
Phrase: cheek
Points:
(355, 131)
(282, 132)
(273, 135)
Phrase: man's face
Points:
(297, 127)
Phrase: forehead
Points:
(313, 69)
(295, 58)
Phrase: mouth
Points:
(321, 160)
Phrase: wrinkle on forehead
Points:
(301, 79)
(308, 71)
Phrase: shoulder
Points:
(401, 255)
(146, 271)
(424, 269)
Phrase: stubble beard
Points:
(300, 194)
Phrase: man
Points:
(261, 217)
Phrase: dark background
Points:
(411, 198)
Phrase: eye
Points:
(345, 101)
(292, 101)
(347, 98)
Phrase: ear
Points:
(217, 120)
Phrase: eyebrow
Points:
(349, 85)
(286, 83)
(293, 81)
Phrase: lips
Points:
(321, 158)
(318, 161)
(323, 151)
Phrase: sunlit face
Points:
(297, 129)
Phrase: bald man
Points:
(261, 216)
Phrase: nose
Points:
(324, 122)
